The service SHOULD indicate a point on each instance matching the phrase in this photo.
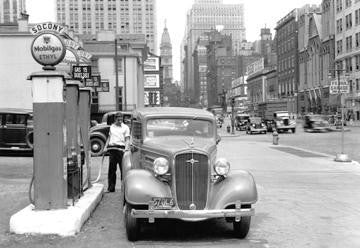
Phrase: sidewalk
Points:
(255, 154)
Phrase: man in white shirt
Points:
(119, 137)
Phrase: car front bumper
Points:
(193, 214)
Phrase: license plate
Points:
(163, 202)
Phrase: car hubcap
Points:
(95, 147)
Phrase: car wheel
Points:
(293, 130)
(242, 227)
(97, 146)
(131, 224)
(30, 140)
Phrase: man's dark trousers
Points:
(115, 159)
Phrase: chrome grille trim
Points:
(186, 194)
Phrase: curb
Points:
(63, 222)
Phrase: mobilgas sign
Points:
(46, 27)
(48, 49)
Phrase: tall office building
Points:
(207, 15)
(166, 56)
(10, 10)
(130, 16)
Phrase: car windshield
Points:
(179, 127)
(242, 117)
(317, 118)
(256, 120)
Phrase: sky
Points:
(258, 14)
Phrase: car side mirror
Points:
(218, 139)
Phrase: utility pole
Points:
(342, 157)
(116, 78)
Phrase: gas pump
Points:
(84, 110)
(72, 97)
(50, 171)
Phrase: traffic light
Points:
(233, 101)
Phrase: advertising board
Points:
(151, 64)
(151, 81)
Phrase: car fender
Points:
(98, 135)
(141, 185)
(239, 186)
(126, 162)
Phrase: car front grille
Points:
(191, 180)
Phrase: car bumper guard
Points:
(192, 214)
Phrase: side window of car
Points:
(20, 120)
(136, 129)
(9, 119)
(110, 119)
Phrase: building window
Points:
(348, 65)
(349, 43)
(339, 25)
(339, 46)
(357, 39)
(357, 62)
(357, 85)
(348, 20)
(347, 3)
(338, 5)
(357, 17)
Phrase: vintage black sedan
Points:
(316, 123)
(172, 171)
(256, 125)
(16, 129)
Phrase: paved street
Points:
(329, 143)
(305, 200)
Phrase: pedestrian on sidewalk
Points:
(119, 137)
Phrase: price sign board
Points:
(104, 86)
(96, 79)
(81, 72)
(336, 89)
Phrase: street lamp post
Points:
(342, 157)
(116, 78)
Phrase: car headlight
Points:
(161, 166)
(222, 167)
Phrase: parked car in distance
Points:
(256, 125)
(172, 171)
(316, 123)
(100, 132)
(241, 121)
(16, 129)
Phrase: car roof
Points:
(122, 112)
(15, 111)
(173, 111)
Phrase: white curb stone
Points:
(63, 222)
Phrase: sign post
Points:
(340, 86)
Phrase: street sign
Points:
(81, 72)
(96, 80)
(335, 89)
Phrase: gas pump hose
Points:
(31, 185)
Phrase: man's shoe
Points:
(110, 191)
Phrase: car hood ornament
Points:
(190, 143)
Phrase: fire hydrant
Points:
(275, 137)
(228, 128)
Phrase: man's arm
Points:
(107, 141)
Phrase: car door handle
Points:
(133, 148)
